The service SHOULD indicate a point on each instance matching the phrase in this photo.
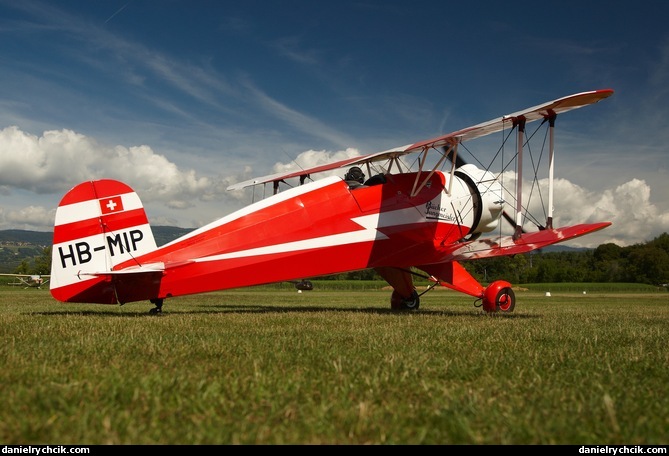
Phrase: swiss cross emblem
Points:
(109, 205)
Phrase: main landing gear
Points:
(397, 302)
(497, 297)
(159, 306)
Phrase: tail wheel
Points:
(499, 297)
(398, 302)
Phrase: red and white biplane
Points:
(427, 216)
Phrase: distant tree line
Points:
(640, 263)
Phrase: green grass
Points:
(267, 365)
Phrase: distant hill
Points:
(19, 245)
(39, 238)
(165, 234)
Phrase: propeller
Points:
(459, 161)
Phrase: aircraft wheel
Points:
(499, 297)
(159, 306)
(397, 302)
(505, 300)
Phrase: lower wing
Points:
(506, 245)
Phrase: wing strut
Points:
(551, 166)
(520, 122)
(452, 150)
(415, 190)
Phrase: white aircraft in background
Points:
(29, 280)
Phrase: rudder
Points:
(99, 224)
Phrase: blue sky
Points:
(180, 99)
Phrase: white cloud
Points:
(311, 158)
(28, 217)
(53, 163)
(635, 219)
(58, 160)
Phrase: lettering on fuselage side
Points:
(436, 212)
(117, 244)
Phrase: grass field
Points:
(271, 366)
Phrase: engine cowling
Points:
(488, 190)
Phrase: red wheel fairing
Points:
(499, 297)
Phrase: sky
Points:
(180, 99)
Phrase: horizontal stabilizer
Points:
(147, 268)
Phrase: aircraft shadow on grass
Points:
(264, 309)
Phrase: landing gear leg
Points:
(159, 306)
(398, 302)
(404, 295)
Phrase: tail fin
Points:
(99, 224)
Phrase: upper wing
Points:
(377, 156)
(542, 111)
